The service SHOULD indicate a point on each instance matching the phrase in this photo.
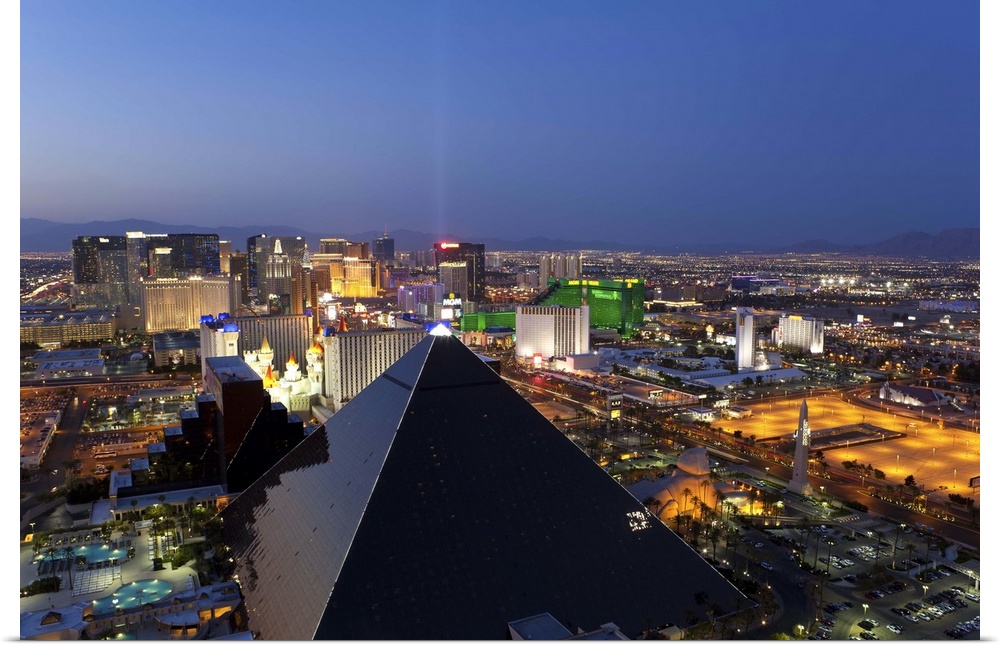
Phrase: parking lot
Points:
(898, 606)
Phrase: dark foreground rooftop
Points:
(438, 504)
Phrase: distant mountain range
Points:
(39, 235)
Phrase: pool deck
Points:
(138, 568)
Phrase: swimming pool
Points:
(93, 553)
(133, 594)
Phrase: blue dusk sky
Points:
(656, 122)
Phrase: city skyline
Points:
(691, 122)
(530, 305)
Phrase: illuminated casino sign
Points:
(451, 307)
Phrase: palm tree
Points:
(730, 508)
(686, 492)
(714, 611)
(695, 532)
(696, 504)
(895, 543)
(700, 598)
(70, 466)
(713, 536)
(69, 571)
(732, 539)
(50, 552)
(878, 546)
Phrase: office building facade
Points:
(419, 299)
(100, 271)
(745, 339)
(455, 278)
(798, 333)
(259, 248)
(361, 278)
(137, 253)
(614, 304)
(384, 250)
(353, 359)
(558, 265)
(287, 335)
(52, 327)
(474, 256)
(219, 337)
(178, 304)
(552, 331)
(193, 254)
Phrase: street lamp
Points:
(865, 607)
(902, 527)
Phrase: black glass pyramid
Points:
(438, 504)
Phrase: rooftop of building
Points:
(65, 317)
(68, 354)
(103, 509)
(232, 369)
(176, 340)
(64, 365)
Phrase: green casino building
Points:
(614, 304)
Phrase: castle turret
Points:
(292, 372)
(265, 355)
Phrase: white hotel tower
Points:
(744, 339)
(552, 331)
(352, 360)
(796, 332)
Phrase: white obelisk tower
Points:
(800, 469)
